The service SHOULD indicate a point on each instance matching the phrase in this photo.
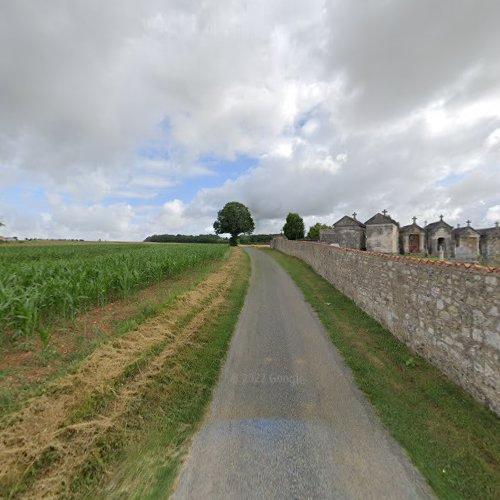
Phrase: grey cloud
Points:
(397, 56)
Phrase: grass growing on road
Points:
(452, 439)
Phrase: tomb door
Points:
(414, 243)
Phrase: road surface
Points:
(287, 420)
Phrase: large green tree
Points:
(234, 219)
(294, 227)
(313, 233)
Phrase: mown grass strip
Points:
(452, 439)
(99, 401)
(141, 458)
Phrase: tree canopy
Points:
(313, 233)
(294, 227)
(234, 219)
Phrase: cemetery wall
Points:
(448, 313)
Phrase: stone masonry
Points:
(382, 234)
(447, 313)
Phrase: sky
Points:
(122, 119)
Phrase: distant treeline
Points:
(185, 238)
(249, 239)
(208, 238)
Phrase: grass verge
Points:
(453, 440)
(140, 457)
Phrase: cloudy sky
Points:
(124, 118)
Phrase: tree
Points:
(294, 227)
(313, 233)
(234, 219)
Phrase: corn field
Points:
(40, 284)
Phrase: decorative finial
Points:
(441, 217)
(425, 223)
(384, 211)
(496, 223)
(468, 223)
(354, 215)
(414, 220)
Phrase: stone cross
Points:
(441, 217)
(425, 223)
(414, 220)
(468, 223)
(354, 215)
(384, 212)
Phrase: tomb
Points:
(412, 238)
(440, 240)
(382, 234)
(466, 243)
(348, 232)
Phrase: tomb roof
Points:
(412, 227)
(347, 221)
(466, 231)
(439, 223)
(381, 219)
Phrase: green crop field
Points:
(41, 284)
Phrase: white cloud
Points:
(493, 214)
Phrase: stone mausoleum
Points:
(440, 240)
(382, 234)
(466, 243)
(412, 238)
(489, 243)
(348, 232)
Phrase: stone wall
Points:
(447, 313)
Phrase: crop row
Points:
(41, 284)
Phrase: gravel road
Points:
(287, 420)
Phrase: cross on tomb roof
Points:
(496, 223)
(468, 223)
(354, 215)
(441, 217)
(384, 211)
(414, 220)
